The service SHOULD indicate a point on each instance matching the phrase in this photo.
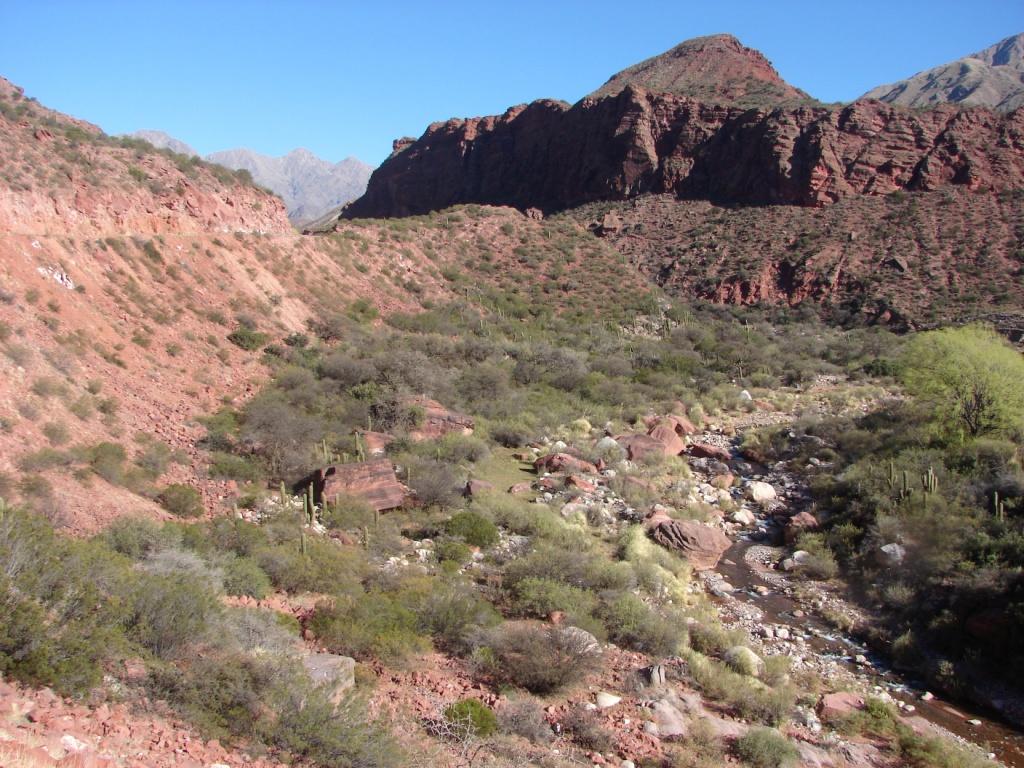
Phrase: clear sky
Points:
(345, 78)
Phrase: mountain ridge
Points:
(992, 77)
(309, 185)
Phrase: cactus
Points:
(310, 507)
(284, 494)
(360, 449)
(366, 537)
(303, 544)
(892, 474)
(376, 518)
(998, 505)
(905, 490)
(930, 481)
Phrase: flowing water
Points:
(992, 735)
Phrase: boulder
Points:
(438, 421)
(834, 706)
(336, 674)
(520, 487)
(723, 482)
(702, 545)
(604, 700)
(476, 487)
(563, 462)
(760, 492)
(580, 483)
(802, 522)
(639, 446)
(743, 516)
(671, 723)
(665, 433)
(708, 451)
(582, 639)
(891, 555)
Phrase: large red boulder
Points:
(702, 545)
(665, 433)
(638, 446)
(802, 522)
(708, 451)
(563, 462)
(835, 706)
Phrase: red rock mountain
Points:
(717, 69)
(678, 124)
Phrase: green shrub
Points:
(168, 611)
(588, 730)
(473, 528)
(107, 461)
(136, 537)
(325, 567)
(373, 625)
(471, 716)
(632, 624)
(765, 748)
(540, 597)
(452, 613)
(181, 500)
(243, 576)
(452, 551)
(233, 467)
(524, 716)
(247, 338)
(347, 513)
(540, 659)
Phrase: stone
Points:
(520, 487)
(745, 661)
(800, 523)
(760, 492)
(586, 641)
(580, 483)
(707, 451)
(702, 545)
(891, 555)
(743, 516)
(476, 487)
(336, 674)
(604, 700)
(563, 462)
(723, 481)
(833, 706)
(653, 676)
(670, 721)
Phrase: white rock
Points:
(605, 699)
(744, 395)
(743, 516)
(759, 491)
(70, 744)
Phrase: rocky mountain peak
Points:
(993, 77)
(717, 69)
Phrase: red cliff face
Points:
(551, 156)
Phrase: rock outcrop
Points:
(553, 156)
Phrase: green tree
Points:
(971, 378)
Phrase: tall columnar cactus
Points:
(929, 485)
(310, 507)
(905, 489)
(892, 475)
(360, 449)
(998, 506)
(284, 494)
(303, 544)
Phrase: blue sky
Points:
(346, 78)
